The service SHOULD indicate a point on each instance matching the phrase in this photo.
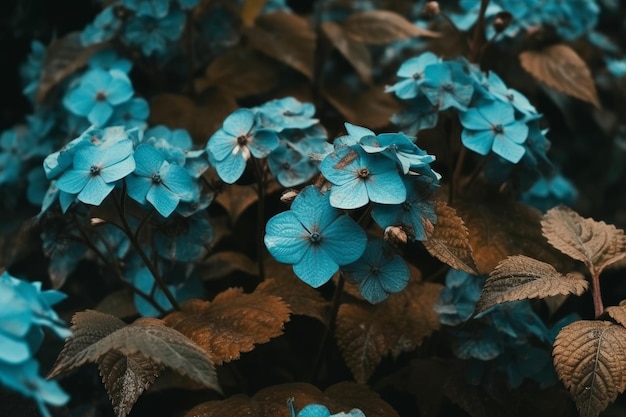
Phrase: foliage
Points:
(325, 208)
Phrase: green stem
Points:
(135, 243)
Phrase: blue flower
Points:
(104, 27)
(97, 94)
(184, 239)
(421, 114)
(359, 177)
(318, 410)
(133, 113)
(153, 8)
(158, 182)
(108, 59)
(447, 85)
(550, 192)
(399, 148)
(315, 237)
(492, 126)
(379, 272)
(153, 35)
(176, 146)
(95, 171)
(458, 299)
(412, 72)
(502, 92)
(231, 146)
(414, 215)
(286, 113)
(30, 71)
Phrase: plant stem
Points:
(260, 172)
(598, 307)
(456, 176)
(479, 30)
(151, 267)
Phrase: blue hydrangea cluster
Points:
(508, 339)
(319, 410)
(25, 310)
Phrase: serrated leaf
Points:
(380, 27)
(560, 67)
(449, 241)
(597, 244)
(590, 359)
(126, 378)
(498, 229)
(618, 313)
(64, 56)
(355, 53)
(232, 323)
(285, 37)
(272, 401)
(250, 11)
(367, 333)
(520, 277)
(97, 334)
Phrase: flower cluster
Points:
(319, 410)
(509, 339)
(25, 310)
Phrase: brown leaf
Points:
(590, 359)
(232, 323)
(367, 333)
(520, 277)
(237, 198)
(597, 244)
(498, 229)
(355, 53)
(272, 401)
(240, 72)
(126, 378)
(302, 298)
(367, 106)
(560, 67)
(285, 37)
(222, 264)
(119, 303)
(618, 313)
(380, 27)
(449, 241)
(64, 57)
(250, 11)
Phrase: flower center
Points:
(375, 270)
(94, 170)
(363, 173)
(285, 165)
(406, 206)
(447, 87)
(498, 129)
(242, 140)
(101, 96)
(156, 178)
(315, 237)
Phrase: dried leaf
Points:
(64, 57)
(520, 277)
(240, 72)
(126, 378)
(597, 244)
(272, 401)
(355, 53)
(498, 229)
(560, 67)
(285, 37)
(367, 106)
(380, 27)
(449, 241)
(237, 198)
(590, 359)
(232, 323)
(250, 11)
(96, 334)
(367, 333)
(222, 264)
(302, 298)
(119, 303)
(618, 313)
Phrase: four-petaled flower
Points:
(315, 237)
(231, 146)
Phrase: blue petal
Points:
(73, 181)
(344, 240)
(148, 160)
(100, 113)
(386, 188)
(314, 410)
(285, 238)
(342, 166)
(357, 132)
(221, 144)
(478, 141)
(162, 199)
(510, 151)
(118, 171)
(95, 191)
(120, 90)
(316, 266)
(395, 275)
(137, 188)
(313, 209)
(79, 102)
(516, 132)
(263, 143)
(178, 181)
(231, 168)
(350, 195)
(239, 122)
(117, 152)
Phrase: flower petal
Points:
(285, 238)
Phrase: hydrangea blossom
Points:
(378, 272)
(411, 73)
(447, 85)
(240, 137)
(286, 113)
(105, 27)
(153, 35)
(315, 237)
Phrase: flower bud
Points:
(288, 196)
(395, 235)
(431, 8)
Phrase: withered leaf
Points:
(250, 11)
(222, 264)
(240, 72)
(590, 359)
(302, 298)
(520, 277)
(232, 323)
(272, 401)
(119, 303)
(618, 313)
(597, 244)
(498, 229)
(237, 198)
(126, 378)
(64, 56)
(367, 333)
(380, 27)
(560, 67)
(356, 53)
(96, 334)
(449, 241)
(285, 37)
